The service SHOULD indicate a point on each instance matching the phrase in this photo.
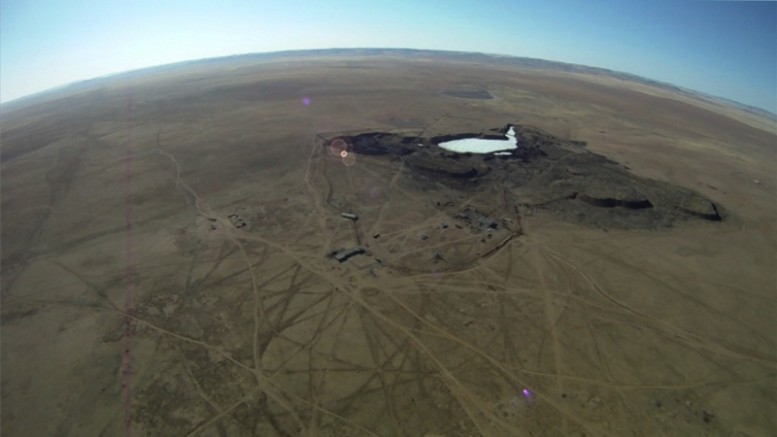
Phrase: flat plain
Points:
(167, 268)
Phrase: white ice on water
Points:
(479, 145)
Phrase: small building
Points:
(343, 255)
(350, 216)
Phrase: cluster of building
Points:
(477, 220)
(237, 221)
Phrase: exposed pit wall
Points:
(713, 215)
(608, 202)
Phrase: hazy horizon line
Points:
(701, 95)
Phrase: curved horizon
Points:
(726, 49)
(636, 78)
(269, 238)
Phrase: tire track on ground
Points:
(539, 263)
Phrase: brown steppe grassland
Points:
(175, 260)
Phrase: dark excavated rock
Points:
(556, 175)
(524, 154)
(380, 143)
(445, 167)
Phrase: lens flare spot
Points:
(340, 149)
(337, 147)
(306, 101)
(348, 159)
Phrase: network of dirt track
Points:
(168, 271)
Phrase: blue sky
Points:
(727, 49)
